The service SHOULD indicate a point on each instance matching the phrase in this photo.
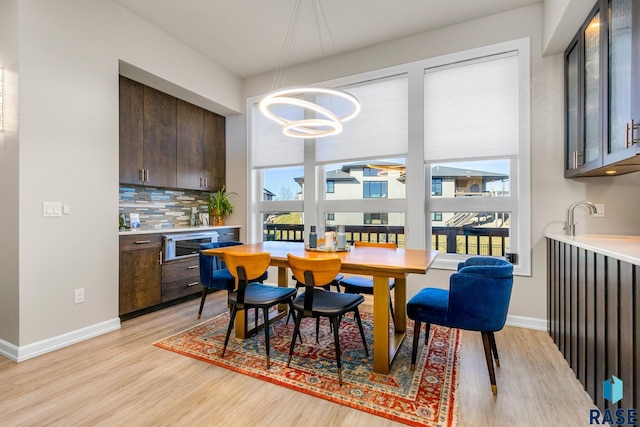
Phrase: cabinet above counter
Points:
(623, 248)
(602, 92)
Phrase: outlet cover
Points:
(600, 210)
(79, 296)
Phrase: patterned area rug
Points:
(425, 397)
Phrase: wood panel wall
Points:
(593, 316)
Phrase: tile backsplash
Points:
(161, 208)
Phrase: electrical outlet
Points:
(600, 210)
(79, 296)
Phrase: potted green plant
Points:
(220, 206)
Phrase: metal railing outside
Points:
(473, 241)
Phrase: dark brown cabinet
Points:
(140, 272)
(602, 92)
(592, 311)
(214, 150)
(145, 281)
(180, 278)
(201, 148)
(147, 136)
(131, 132)
(160, 149)
(167, 142)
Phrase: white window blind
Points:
(381, 128)
(270, 147)
(471, 110)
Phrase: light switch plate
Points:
(51, 209)
(600, 210)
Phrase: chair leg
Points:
(292, 313)
(416, 342)
(234, 311)
(336, 341)
(204, 296)
(364, 341)
(487, 355)
(296, 330)
(265, 311)
(317, 329)
(426, 333)
(494, 349)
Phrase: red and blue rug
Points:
(425, 397)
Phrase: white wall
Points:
(551, 192)
(69, 52)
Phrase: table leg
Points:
(381, 324)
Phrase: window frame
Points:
(416, 206)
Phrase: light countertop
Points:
(176, 229)
(624, 248)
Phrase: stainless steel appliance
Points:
(186, 245)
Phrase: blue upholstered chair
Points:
(214, 273)
(477, 300)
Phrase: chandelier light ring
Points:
(308, 128)
(275, 98)
(287, 97)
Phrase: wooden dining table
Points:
(380, 263)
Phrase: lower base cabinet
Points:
(146, 282)
(180, 279)
(594, 319)
(140, 272)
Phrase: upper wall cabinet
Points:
(201, 148)
(147, 135)
(602, 92)
(167, 142)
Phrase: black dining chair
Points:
(318, 302)
(255, 295)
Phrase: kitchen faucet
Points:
(570, 226)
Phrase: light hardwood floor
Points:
(121, 379)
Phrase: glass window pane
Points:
(369, 226)
(472, 233)
(592, 89)
(620, 54)
(283, 226)
(572, 107)
(384, 178)
(486, 178)
(283, 183)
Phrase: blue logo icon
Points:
(612, 389)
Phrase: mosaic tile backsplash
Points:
(161, 208)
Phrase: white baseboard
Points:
(527, 322)
(29, 351)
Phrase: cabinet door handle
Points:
(192, 267)
(206, 182)
(201, 182)
(146, 175)
(160, 258)
(192, 284)
(141, 174)
(142, 242)
(631, 127)
(577, 159)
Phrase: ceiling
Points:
(247, 36)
